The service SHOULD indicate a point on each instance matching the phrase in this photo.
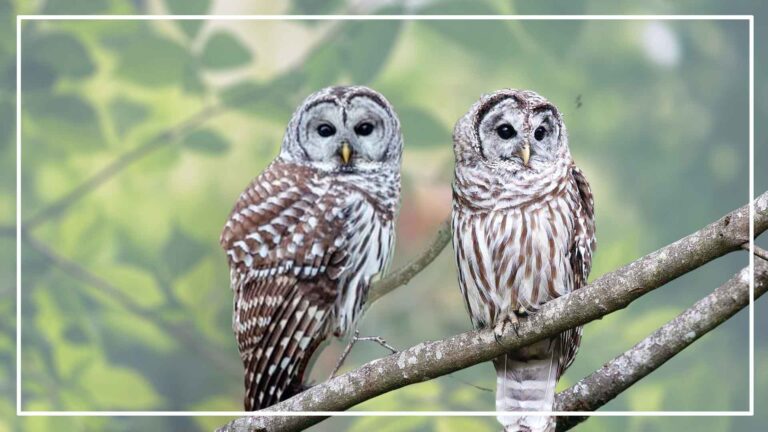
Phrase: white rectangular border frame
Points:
(352, 413)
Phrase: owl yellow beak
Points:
(525, 153)
(346, 152)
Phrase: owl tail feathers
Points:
(526, 381)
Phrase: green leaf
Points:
(189, 7)
(126, 114)
(130, 252)
(206, 141)
(224, 51)
(422, 129)
(366, 48)
(488, 39)
(119, 387)
(192, 82)
(275, 99)
(73, 7)
(65, 119)
(554, 36)
(7, 123)
(322, 67)
(314, 7)
(237, 95)
(181, 252)
(36, 76)
(62, 52)
(75, 334)
(151, 60)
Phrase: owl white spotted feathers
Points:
(523, 234)
(307, 237)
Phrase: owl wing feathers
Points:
(285, 247)
(583, 246)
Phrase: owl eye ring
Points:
(506, 131)
(326, 130)
(364, 129)
(539, 133)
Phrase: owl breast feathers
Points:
(307, 237)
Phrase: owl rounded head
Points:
(344, 129)
(510, 129)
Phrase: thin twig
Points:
(427, 360)
(180, 332)
(160, 140)
(355, 339)
(758, 251)
(614, 377)
(167, 137)
(465, 382)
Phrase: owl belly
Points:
(371, 243)
(512, 260)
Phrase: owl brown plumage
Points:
(308, 236)
(523, 234)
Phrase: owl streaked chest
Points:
(369, 235)
(516, 256)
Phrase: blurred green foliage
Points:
(125, 302)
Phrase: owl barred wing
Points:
(277, 355)
(583, 246)
(584, 239)
(284, 222)
(286, 245)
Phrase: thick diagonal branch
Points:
(614, 377)
(607, 294)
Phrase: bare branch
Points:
(758, 251)
(404, 275)
(159, 141)
(607, 294)
(614, 377)
(118, 165)
(181, 332)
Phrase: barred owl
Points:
(308, 236)
(523, 234)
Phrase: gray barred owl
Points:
(309, 235)
(523, 234)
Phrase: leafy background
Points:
(125, 300)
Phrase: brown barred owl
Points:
(308, 236)
(523, 234)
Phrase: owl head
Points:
(344, 130)
(513, 130)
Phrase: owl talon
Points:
(502, 326)
(515, 327)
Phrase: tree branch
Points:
(159, 141)
(120, 163)
(404, 275)
(427, 360)
(757, 250)
(614, 377)
(188, 339)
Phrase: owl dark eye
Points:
(540, 133)
(326, 130)
(506, 131)
(364, 129)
